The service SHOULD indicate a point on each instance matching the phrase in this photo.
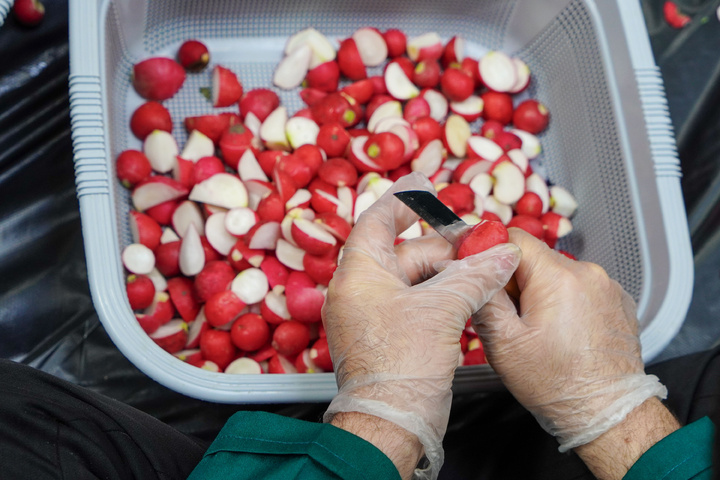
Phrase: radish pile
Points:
(237, 234)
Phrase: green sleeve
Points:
(683, 455)
(255, 445)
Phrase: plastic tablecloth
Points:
(47, 318)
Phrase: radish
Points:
(192, 255)
(481, 237)
(454, 51)
(29, 12)
(362, 91)
(234, 143)
(138, 259)
(132, 167)
(272, 130)
(161, 149)
(273, 307)
(673, 16)
(321, 267)
(321, 48)
(371, 45)
(275, 271)
(290, 338)
(158, 78)
(242, 257)
(498, 107)
(459, 197)
(148, 117)
(320, 354)
(185, 214)
(222, 190)
(324, 77)
(529, 204)
(172, 336)
(396, 42)
(385, 149)
(456, 84)
(162, 213)
(438, 103)
(226, 87)
(280, 364)
(304, 364)
(349, 60)
(427, 74)
(182, 295)
(213, 278)
(456, 134)
(531, 116)
(250, 332)
(140, 291)
(470, 109)
(205, 168)
(292, 69)
(217, 346)
(398, 83)
(333, 139)
(259, 101)
(243, 366)
(509, 184)
(145, 230)
(497, 71)
(301, 131)
(425, 46)
(531, 225)
(167, 257)
(510, 142)
(193, 55)
(562, 201)
(212, 126)
(250, 285)
(217, 234)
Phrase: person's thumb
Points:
(465, 285)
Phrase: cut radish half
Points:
(187, 213)
(160, 148)
(290, 255)
(244, 366)
(238, 221)
(398, 84)
(292, 69)
(222, 190)
(371, 45)
(192, 253)
(497, 71)
(138, 259)
(250, 285)
(217, 235)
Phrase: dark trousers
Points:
(50, 428)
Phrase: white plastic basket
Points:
(611, 141)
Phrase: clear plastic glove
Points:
(394, 316)
(571, 355)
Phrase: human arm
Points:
(570, 353)
(394, 317)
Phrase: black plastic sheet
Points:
(46, 315)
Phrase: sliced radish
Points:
(292, 69)
(160, 148)
(398, 84)
(192, 253)
(138, 259)
(244, 366)
(371, 45)
(290, 255)
(497, 71)
(222, 190)
(250, 285)
(217, 235)
(198, 146)
(187, 213)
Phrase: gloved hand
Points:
(571, 355)
(394, 317)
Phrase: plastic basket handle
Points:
(5, 6)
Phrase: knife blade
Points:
(435, 213)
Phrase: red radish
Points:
(475, 357)
(320, 354)
(250, 170)
(429, 158)
(132, 167)
(291, 338)
(391, 109)
(243, 366)
(301, 130)
(470, 109)
(398, 82)
(385, 149)
(321, 267)
(226, 87)
(378, 83)
(289, 255)
(217, 346)
(426, 46)
(532, 225)
(556, 226)
(673, 16)
(212, 126)
(145, 230)
(281, 364)
(185, 214)
(291, 70)
(498, 107)
(263, 235)
(531, 116)
(271, 208)
(362, 90)
(378, 101)
(509, 181)
(416, 108)
(183, 171)
(427, 129)
(161, 150)
(158, 78)
(427, 74)
(275, 271)
(196, 328)
(304, 364)
(522, 72)
(241, 256)
(273, 307)
(349, 60)
(481, 237)
(222, 308)
(260, 101)
(497, 71)
(396, 42)
(193, 55)
(459, 197)
(172, 336)
(508, 141)
(562, 202)
(530, 143)
(222, 190)
(454, 51)
(238, 221)
(182, 295)
(205, 168)
(250, 332)
(471, 67)
(338, 172)
(29, 12)
(482, 147)
(140, 291)
(213, 278)
(371, 45)
(456, 84)
(166, 256)
(438, 103)
(334, 224)
(535, 183)
(138, 259)
(335, 108)
(568, 254)
(333, 139)
(406, 66)
(217, 235)
(491, 129)
(250, 285)
(311, 237)
(148, 117)
(530, 205)
(324, 77)
(311, 96)
(295, 168)
(192, 356)
(234, 142)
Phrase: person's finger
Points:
(418, 256)
(539, 260)
(464, 286)
(378, 226)
(498, 317)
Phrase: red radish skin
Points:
(291, 338)
(416, 108)
(227, 88)
(276, 273)
(334, 108)
(311, 155)
(132, 167)
(217, 346)
(205, 168)
(213, 126)
(259, 101)
(531, 225)
(508, 141)
(28, 12)
(475, 357)
(451, 50)
(234, 142)
(361, 90)
(182, 295)
(296, 169)
(241, 256)
(148, 117)
(222, 308)
(386, 149)
(673, 16)
(459, 197)
(321, 267)
(530, 205)
(456, 84)
(148, 230)
(531, 116)
(325, 77)
(349, 60)
(166, 258)
(333, 139)
(481, 237)
(498, 107)
(250, 332)
(320, 354)
(193, 55)
(158, 78)
(338, 172)
(396, 42)
(427, 129)
(140, 291)
(311, 96)
(213, 278)
(172, 337)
